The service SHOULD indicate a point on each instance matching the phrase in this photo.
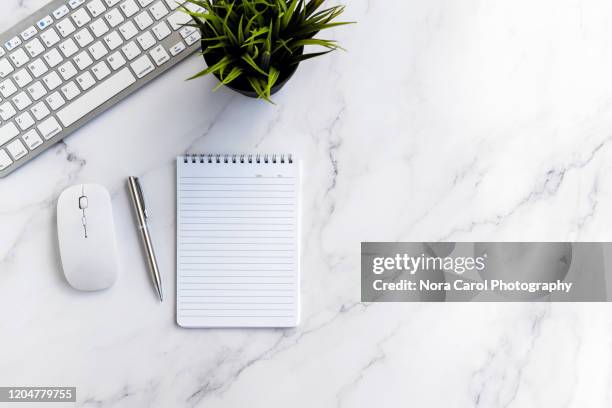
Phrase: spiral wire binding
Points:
(238, 158)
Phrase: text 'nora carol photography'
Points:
(462, 285)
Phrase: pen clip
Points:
(141, 197)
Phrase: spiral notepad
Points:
(238, 254)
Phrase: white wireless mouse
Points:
(86, 233)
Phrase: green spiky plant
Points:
(255, 44)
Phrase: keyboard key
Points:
(146, 40)
(61, 12)
(81, 17)
(7, 88)
(159, 55)
(99, 27)
(49, 128)
(5, 160)
(142, 66)
(83, 60)
(19, 58)
(193, 7)
(70, 90)
(35, 48)
(86, 81)
(29, 33)
(101, 70)
(2, 52)
(32, 139)
(5, 67)
(177, 48)
(96, 97)
(67, 70)
(128, 30)
(13, 43)
(52, 81)
(7, 132)
(113, 40)
(25, 121)
(161, 31)
(172, 4)
(193, 38)
(143, 20)
(116, 61)
(129, 8)
(53, 57)
(17, 149)
(50, 37)
(114, 17)
(37, 90)
(40, 110)
(55, 101)
(21, 101)
(75, 3)
(98, 50)
(158, 10)
(178, 19)
(37, 67)
(65, 27)
(111, 3)
(68, 47)
(187, 31)
(131, 50)
(22, 78)
(44, 22)
(83, 38)
(145, 3)
(7, 111)
(96, 8)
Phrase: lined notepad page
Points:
(237, 242)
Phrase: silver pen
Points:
(142, 216)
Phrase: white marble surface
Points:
(445, 120)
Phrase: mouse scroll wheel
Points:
(83, 204)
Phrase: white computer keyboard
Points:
(73, 59)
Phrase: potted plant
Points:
(254, 46)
